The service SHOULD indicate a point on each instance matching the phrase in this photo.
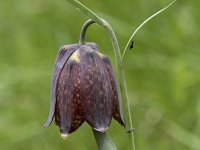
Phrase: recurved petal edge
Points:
(64, 53)
(117, 111)
(68, 111)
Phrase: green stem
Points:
(104, 142)
(120, 70)
(123, 87)
(120, 74)
(86, 11)
(84, 29)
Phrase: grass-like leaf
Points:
(89, 13)
(141, 25)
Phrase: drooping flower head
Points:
(83, 89)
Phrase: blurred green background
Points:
(162, 71)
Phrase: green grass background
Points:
(162, 71)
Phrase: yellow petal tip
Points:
(64, 136)
(75, 56)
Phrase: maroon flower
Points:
(83, 89)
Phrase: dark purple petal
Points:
(117, 112)
(95, 89)
(68, 112)
(64, 53)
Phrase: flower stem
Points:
(104, 142)
(120, 70)
(123, 87)
(120, 74)
(86, 11)
(84, 29)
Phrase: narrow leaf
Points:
(86, 11)
(141, 25)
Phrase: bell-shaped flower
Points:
(83, 89)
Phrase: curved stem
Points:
(120, 75)
(103, 141)
(123, 87)
(86, 11)
(119, 63)
(118, 59)
(84, 29)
